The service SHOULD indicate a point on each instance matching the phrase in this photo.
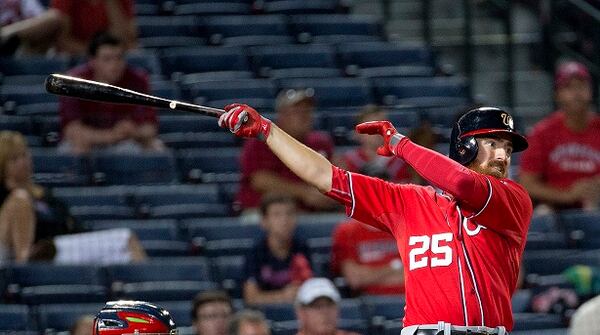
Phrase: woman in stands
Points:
(34, 224)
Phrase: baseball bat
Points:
(96, 91)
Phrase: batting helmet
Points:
(477, 122)
(133, 317)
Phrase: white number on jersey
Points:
(442, 251)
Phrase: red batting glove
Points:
(391, 137)
(244, 121)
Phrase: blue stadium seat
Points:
(15, 317)
(530, 321)
(546, 262)
(128, 169)
(334, 92)
(24, 79)
(20, 124)
(181, 312)
(204, 59)
(583, 227)
(166, 26)
(165, 89)
(33, 65)
(41, 108)
(422, 91)
(233, 90)
(49, 283)
(52, 168)
(295, 7)
(146, 60)
(228, 272)
(329, 28)
(161, 248)
(61, 317)
(182, 201)
(165, 290)
(284, 61)
(97, 203)
(384, 54)
(554, 331)
(163, 269)
(186, 124)
(26, 94)
(521, 300)
(216, 238)
(158, 229)
(216, 165)
(246, 30)
(277, 312)
(199, 140)
(384, 308)
(538, 241)
(312, 230)
(213, 8)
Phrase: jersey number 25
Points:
(437, 243)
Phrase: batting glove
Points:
(244, 121)
(391, 137)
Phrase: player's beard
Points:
(492, 168)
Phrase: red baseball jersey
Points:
(561, 156)
(461, 263)
(395, 168)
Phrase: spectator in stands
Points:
(365, 159)
(88, 125)
(317, 308)
(81, 20)
(25, 25)
(83, 326)
(263, 172)
(211, 313)
(249, 322)
(34, 225)
(279, 263)
(367, 258)
(585, 320)
(561, 169)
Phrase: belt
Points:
(443, 328)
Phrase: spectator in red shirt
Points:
(81, 20)
(263, 172)
(367, 258)
(88, 125)
(26, 26)
(365, 159)
(561, 169)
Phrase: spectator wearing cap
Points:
(263, 172)
(561, 168)
(317, 308)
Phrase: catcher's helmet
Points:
(133, 317)
(481, 121)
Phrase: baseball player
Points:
(133, 317)
(461, 248)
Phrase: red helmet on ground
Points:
(133, 317)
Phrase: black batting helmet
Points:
(477, 122)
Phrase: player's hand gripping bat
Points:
(96, 91)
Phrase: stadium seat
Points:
(49, 283)
(229, 273)
(181, 312)
(204, 59)
(530, 321)
(26, 94)
(165, 89)
(216, 238)
(42, 108)
(97, 203)
(521, 300)
(19, 124)
(24, 79)
(583, 227)
(162, 229)
(33, 65)
(127, 169)
(277, 312)
(186, 124)
(162, 248)
(384, 54)
(232, 90)
(382, 309)
(422, 91)
(328, 28)
(334, 92)
(52, 168)
(213, 8)
(146, 60)
(246, 30)
(554, 331)
(286, 61)
(547, 262)
(61, 317)
(182, 201)
(166, 26)
(165, 290)
(216, 165)
(296, 7)
(199, 140)
(15, 318)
